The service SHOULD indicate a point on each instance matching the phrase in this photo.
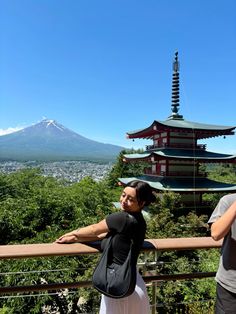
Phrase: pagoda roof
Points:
(180, 125)
(176, 123)
(181, 154)
(182, 185)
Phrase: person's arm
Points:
(222, 226)
(90, 233)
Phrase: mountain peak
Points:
(52, 123)
(49, 121)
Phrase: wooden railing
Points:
(54, 249)
(24, 251)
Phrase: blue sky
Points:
(102, 68)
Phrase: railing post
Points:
(154, 295)
(154, 286)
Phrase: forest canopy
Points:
(36, 209)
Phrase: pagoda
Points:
(175, 156)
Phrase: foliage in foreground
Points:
(37, 209)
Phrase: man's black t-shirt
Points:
(123, 227)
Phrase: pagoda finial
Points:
(175, 90)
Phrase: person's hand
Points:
(67, 238)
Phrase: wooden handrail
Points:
(17, 251)
(55, 249)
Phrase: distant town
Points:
(72, 171)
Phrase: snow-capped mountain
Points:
(50, 140)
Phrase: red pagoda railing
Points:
(178, 174)
(177, 145)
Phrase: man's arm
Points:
(222, 226)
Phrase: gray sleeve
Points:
(224, 203)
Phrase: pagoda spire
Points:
(175, 90)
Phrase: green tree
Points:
(36, 209)
(125, 169)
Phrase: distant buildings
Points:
(73, 171)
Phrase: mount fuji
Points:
(50, 140)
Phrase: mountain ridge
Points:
(50, 140)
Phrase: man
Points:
(223, 225)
